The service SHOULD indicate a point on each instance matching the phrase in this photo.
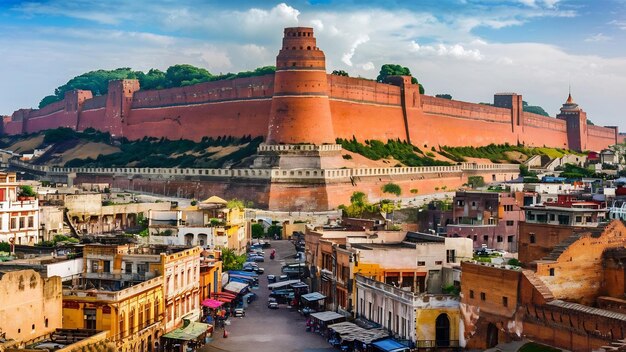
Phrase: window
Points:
(13, 223)
(156, 310)
(450, 256)
(421, 263)
(552, 217)
(483, 296)
(485, 238)
(460, 203)
(438, 262)
(505, 301)
(472, 294)
(22, 222)
(142, 268)
(146, 309)
(107, 266)
(508, 207)
(129, 268)
(532, 238)
(551, 271)
(509, 239)
(90, 318)
(473, 204)
(588, 219)
(579, 219)
(131, 322)
(121, 325)
(94, 266)
(31, 222)
(499, 239)
(510, 223)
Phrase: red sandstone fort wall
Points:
(367, 120)
(361, 108)
(363, 90)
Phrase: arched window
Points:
(532, 238)
(121, 331)
(442, 331)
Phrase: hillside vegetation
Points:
(91, 148)
(407, 154)
(498, 153)
(175, 76)
(410, 155)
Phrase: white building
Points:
(19, 216)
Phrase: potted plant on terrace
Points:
(26, 193)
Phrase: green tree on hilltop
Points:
(185, 75)
(340, 73)
(397, 70)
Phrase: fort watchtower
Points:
(300, 111)
(576, 122)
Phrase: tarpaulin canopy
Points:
(189, 332)
(282, 284)
(390, 345)
(327, 316)
(352, 332)
(235, 287)
(313, 296)
(211, 303)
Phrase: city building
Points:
(409, 260)
(31, 315)
(211, 224)
(122, 291)
(424, 320)
(572, 298)
(490, 219)
(19, 214)
(550, 223)
(90, 214)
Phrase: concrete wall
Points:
(65, 269)
(32, 306)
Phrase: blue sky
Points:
(470, 49)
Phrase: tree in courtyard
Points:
(257, 231)
(232, 261)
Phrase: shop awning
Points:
(191, 331)
(313, 297)
(211, 303)
(235, 287)
(282, 284)
(327, 316)
(352, 332)
(390, 345)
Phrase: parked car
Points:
(250, 297)
(272, 303)
(271, 279)
(255, 258)
(240, 311)
(252, 268)
(283, 278)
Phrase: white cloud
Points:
(318, 25)
(456, 51)
(368, 66)
(347, 57)
(598, 38)
(619, 24)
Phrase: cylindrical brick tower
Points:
(300, 110)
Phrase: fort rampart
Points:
(290, 106)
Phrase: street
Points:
(264, 329)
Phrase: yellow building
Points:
(31, 316)
(210, 274)
(181, 274)
(120, 290)
(229, 225)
